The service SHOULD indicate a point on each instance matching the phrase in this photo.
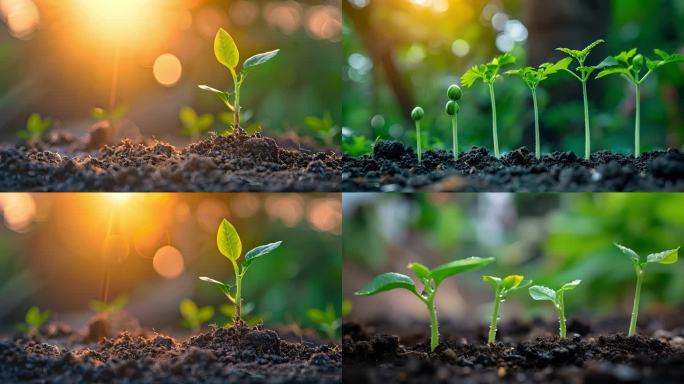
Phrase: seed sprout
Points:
(417, 115)
(193, 316)
(539, 292)
(34, 319)
(454, 94)
(36, 127)
(502, 287)
(193, 124)
(113, 307)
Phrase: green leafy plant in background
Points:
(193, 124)
(113, 116)
(430, 278)
(532, 78)
(115, 306)
(327, 320)
(34, 319)
(630, 64)
(230, 246)
(357, 145)
(539, 292)
(227, 53)
(247, 313)
(454, 94)
(640, 263)
(36, 127)
(417, 115)
(489, 73)
(193, 316)
(324, 128)
(582, 73)
(502, 287)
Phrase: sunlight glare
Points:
(117, 20)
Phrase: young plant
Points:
(247, 314)
(629, 64)
(502, 287)
(36, 127)
(193, 124)
(34, 319)
(454, 94)
(327, 320)
(324, 128)
(227, 53)
(489, 73)
(430, 279)
(640, 263)
(582, 73)
(417, 115)
(115, 306)
(539, 292)
(193, 316)
(532, 78)
(230, 246)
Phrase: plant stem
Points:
(561, 315)
(587, 139)
(420, 156)
(537, 150)
(495, 319)
(237, 105)
(494, 128)
(635, 308)
(238, 296)
(637, 124)
(434, 326)
(454, 132)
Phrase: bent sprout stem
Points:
(494, 127)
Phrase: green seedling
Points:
(193, 124)
(640, 263)
(532, 78)
(357, 145)
(230, 246)
(193, 316)
(36, 127)
(227, 53)
(431, 279)
(582, 73)
(454, 94)
(502, 287)
(327, 320)
(417, 115)
(539, 292)
(630, 64)
(324, 128)
(115, 306)
(34, 319)
(489, 73)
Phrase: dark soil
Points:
(239, 162)
(371, 357)
(233, 355)
(394, 167)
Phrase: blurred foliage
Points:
(193, 316)
(113, 307)
(34, 319)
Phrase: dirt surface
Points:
(239, 162)
(394, 167)
(233, 355)
(522, 357)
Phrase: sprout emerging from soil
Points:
(533, 77)
(194, 316)
(417, 115)
(539, 292)
(193, 124)
(230, 246)
(629, 64)
(582, 73)
(34, 319)
(115, 306)
(431, 279)
(489, 73)
(502, 287)
(227, 53)
(36, 127)
(327, 320)
(640, 263)
(454, 93)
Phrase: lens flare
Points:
(118, 20)
(168, 262)
(167, 70)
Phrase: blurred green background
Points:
(402, 53)
(550, 238)
(51, 254)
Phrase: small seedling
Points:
(227, 53)
(324, 128)
(230, 246)
(640, 263)
(533, 77)
(489, 73)
(115, 306)
(247, 310)
(582, 73)
(327, 320)
(431, 279)
(539, 292)
(36, 127)
(193, 316)
(502, 287)
(34, 319)
(193, 124)
(454, 93)
(417, 115)
(629, 64)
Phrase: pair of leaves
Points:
(230, 245)
(540, 292)
(624, 64)
(489, 72)
(194, 124)
(227, 53)
(34, 319)
(35, 127)
(393, 280)
(116, 114)
(115, 306)
(665, 257)
(534, 76)
(508, 284)
(194, 316)
(580, 55)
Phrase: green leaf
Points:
(459, 266)
(225, 288)
(205, 314)
(205, 122)
(471, 76)
(585, 52)
(663, 55)
(571, 285)
(259, 59)
(512, 281)
(386, 282)
(570, 52)
(224, 96)
(187, 116)
(539, 292)
(421, 271)
(609, 61)
(228, 241)
(493, 280)
(665, 257)
(99, 114)
(629, 252)
(624, 56)
(523, 284)
(188, 309)
(614, 71)
(258, 252)
(316, 315)
(225, 49)
(346, 307)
